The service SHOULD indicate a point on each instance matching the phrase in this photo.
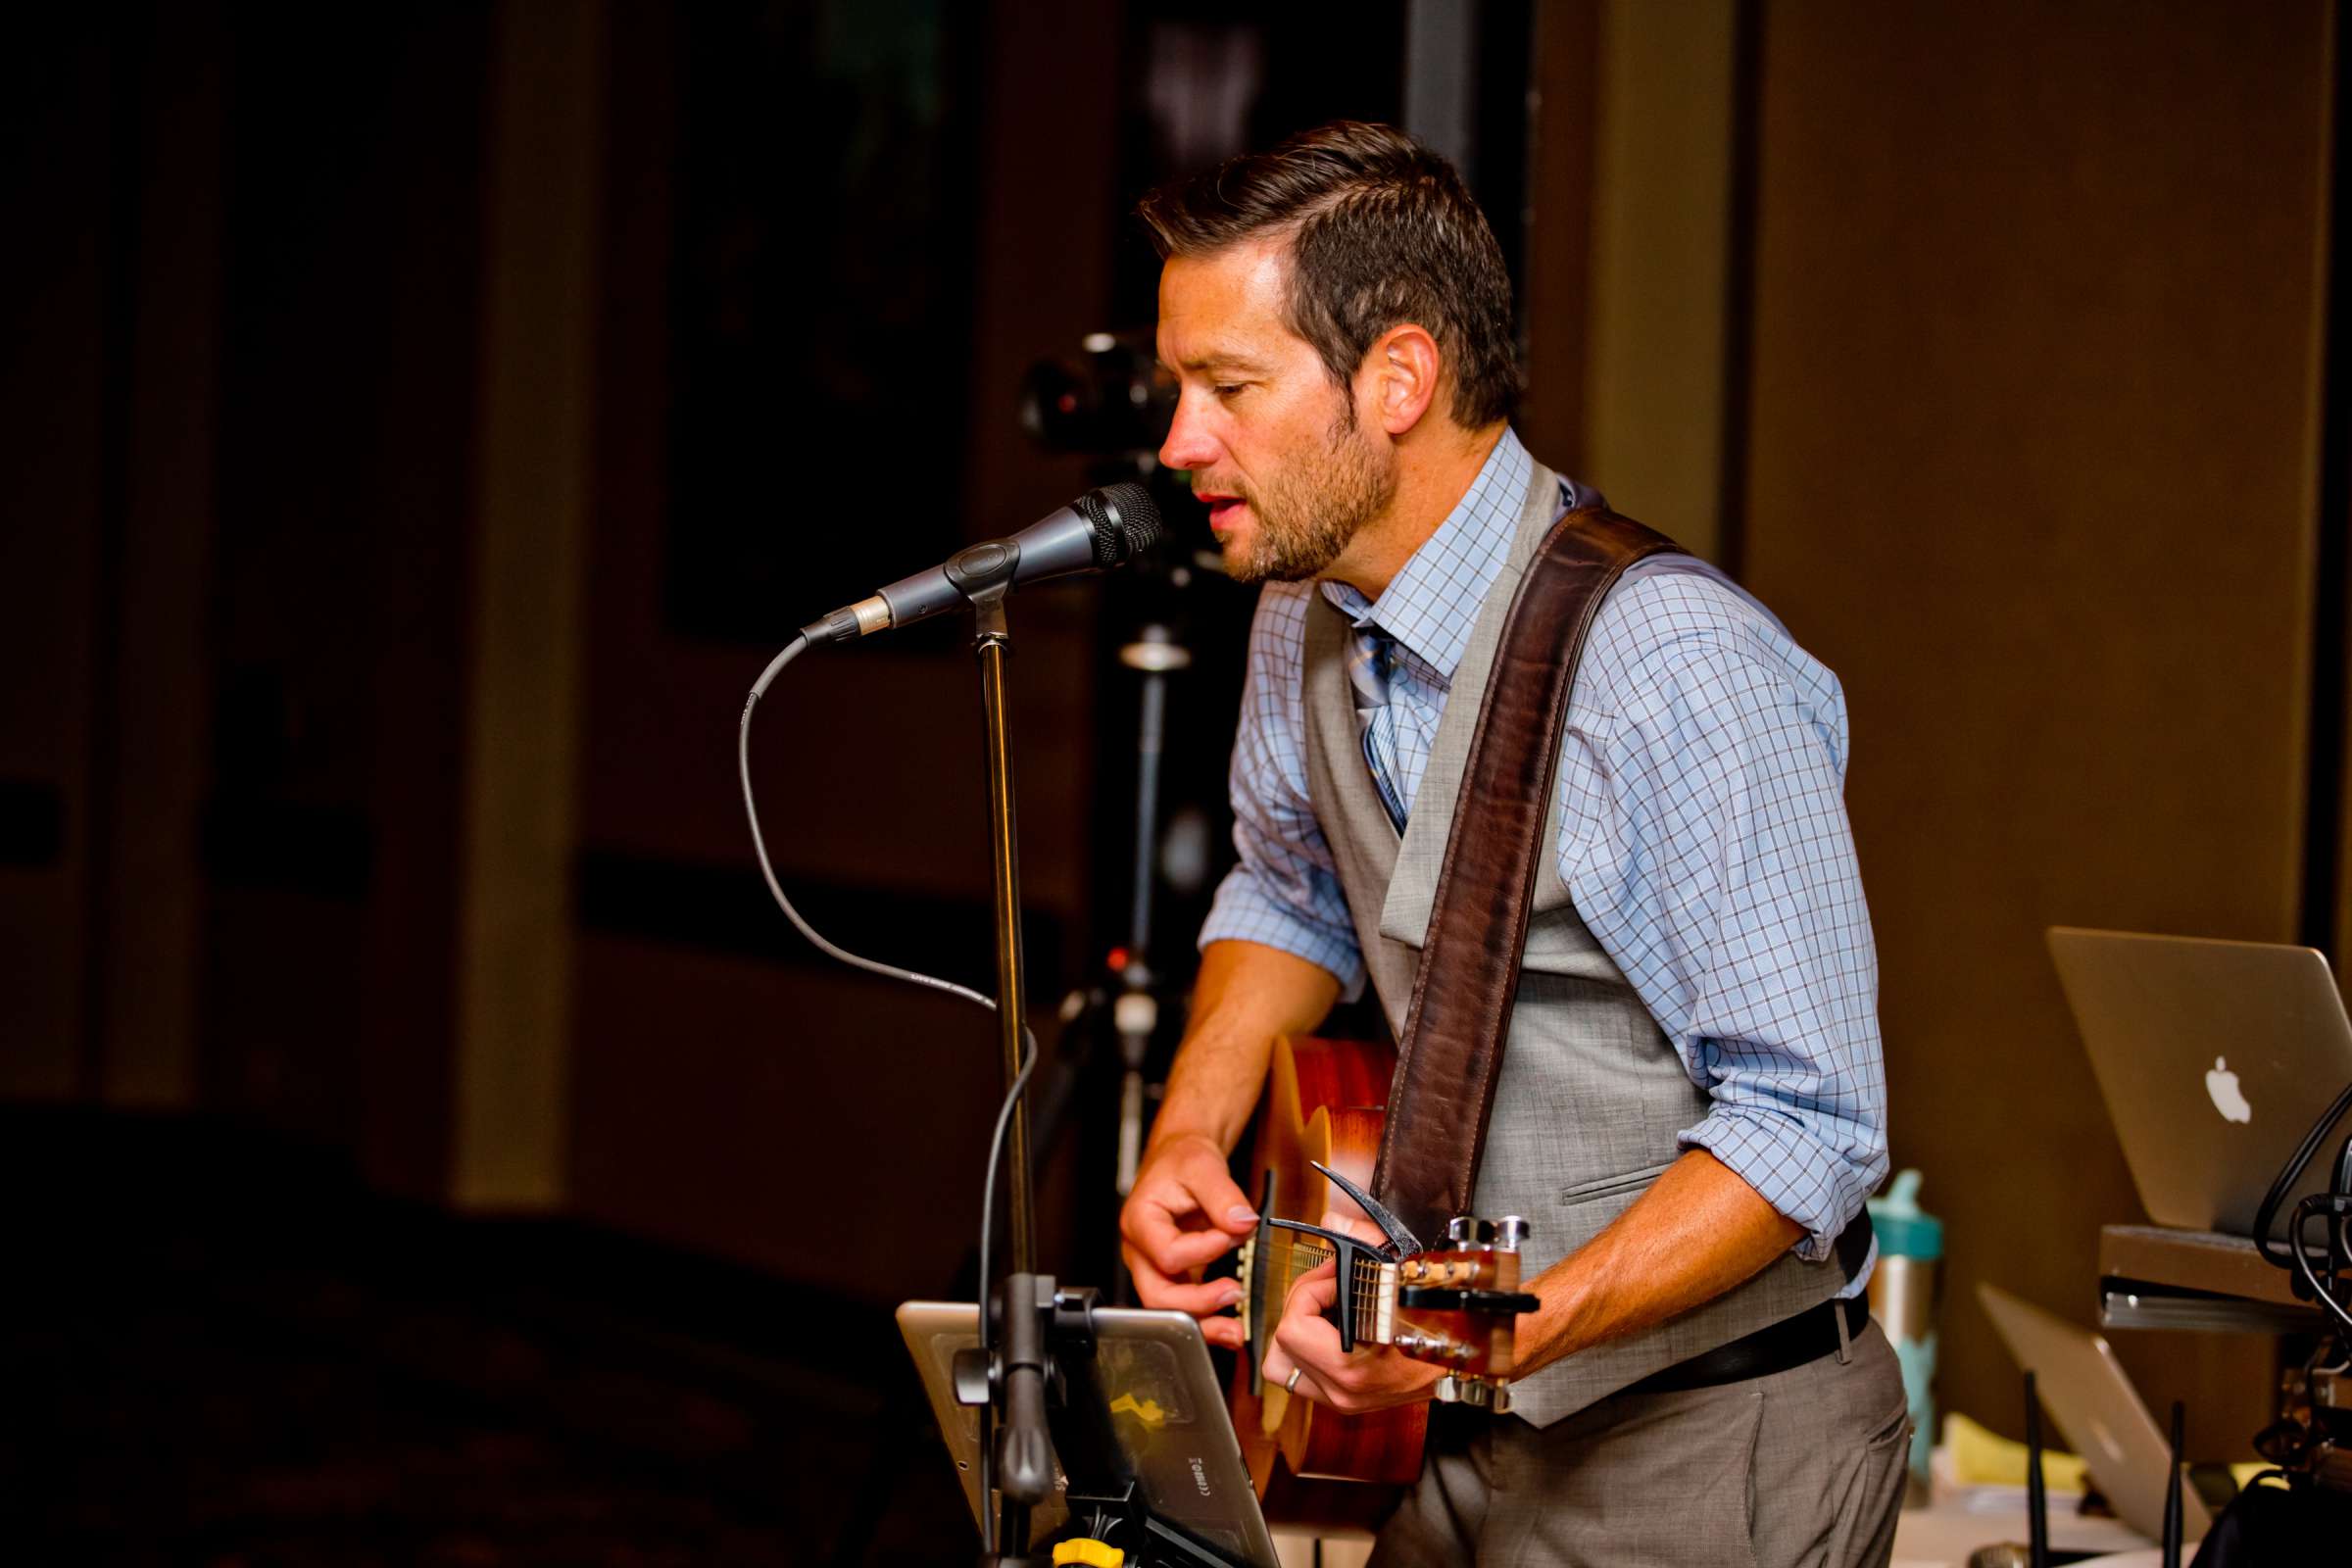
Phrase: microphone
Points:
(1100, 529)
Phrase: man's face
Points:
(1288, 472)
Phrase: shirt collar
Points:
(1430, 606)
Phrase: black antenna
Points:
(2037, 1507)
(2172, 1498)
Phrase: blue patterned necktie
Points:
(1371, 660)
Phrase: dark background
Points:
(425, 1141)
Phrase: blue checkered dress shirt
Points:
(1705, 835)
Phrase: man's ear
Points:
(1400, 374)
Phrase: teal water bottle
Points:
(1905, 1295)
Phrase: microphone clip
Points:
(983, 574)
(990, 564)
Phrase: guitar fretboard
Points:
(1292, 1256)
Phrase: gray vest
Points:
(1590, 1094)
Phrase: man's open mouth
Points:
(1221, 508)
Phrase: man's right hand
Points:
(1184, 1210)
(1184, 1213)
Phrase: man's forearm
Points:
(1697, 1232)
(1247, 994)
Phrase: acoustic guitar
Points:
(1451, 1302)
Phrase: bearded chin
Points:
(1305, 521)
(1293, 552)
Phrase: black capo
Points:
(1347, 1248)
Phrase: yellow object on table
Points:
(1088, 1553)
(1982, 1458)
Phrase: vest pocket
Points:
(1612, 1186)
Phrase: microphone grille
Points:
(1125, 522)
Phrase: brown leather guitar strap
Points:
(1461, 1015)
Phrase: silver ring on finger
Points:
(1290, 1385)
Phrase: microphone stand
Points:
(1024, 1321)
(1024, 1470)
(1037, 1360)
(992, 641)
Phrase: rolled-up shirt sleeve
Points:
(1284, 890)
(1705, 841)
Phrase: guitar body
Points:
(1324, 1102)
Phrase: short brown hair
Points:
(1383, 231)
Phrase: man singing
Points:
(1692, 1103)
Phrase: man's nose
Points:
(1189, 445)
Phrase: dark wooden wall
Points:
(2033, 461)
(751, 1101)
(239, 433)
(58, 148)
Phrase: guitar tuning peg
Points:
(1476, 1393)
(1510, 1230)
(1467, 1230)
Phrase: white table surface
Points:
(1938, 1535)
(1943, 1534)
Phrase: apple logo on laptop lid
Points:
(2221, 1085)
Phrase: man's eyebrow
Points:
(1220, 359)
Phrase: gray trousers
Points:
(1800, 1467)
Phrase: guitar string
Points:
(1315, 1256)
(1365, 1288)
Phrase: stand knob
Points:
(974, 1384)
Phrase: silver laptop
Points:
(2098, 1412)
(2215, 1058)
(1166, 1406)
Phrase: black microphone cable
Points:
(2282, 1255)
(743, 756)
(2333, 1207)
(891, 971)
(988, 1204)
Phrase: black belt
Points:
(1790, 1343)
